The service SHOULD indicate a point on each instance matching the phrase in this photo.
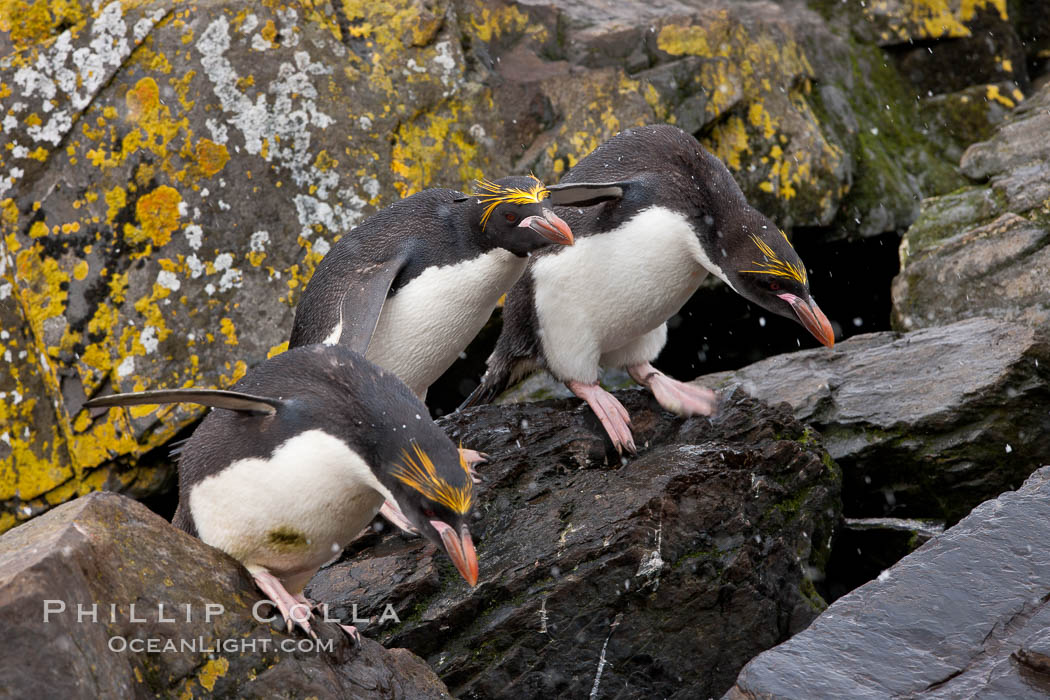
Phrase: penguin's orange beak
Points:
(550, 226)
(810, 315)
(460, 549)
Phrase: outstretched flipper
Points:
(217, 398)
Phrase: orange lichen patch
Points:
(269, 32)
(158, 216)
(211, 156)
(143, 99)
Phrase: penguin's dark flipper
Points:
(362, 302)
(217, 398)
(585, 194)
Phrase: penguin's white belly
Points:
(291, 512)
(611, 288)
(430, 320)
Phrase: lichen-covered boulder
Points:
(984, 250)
(170, 174)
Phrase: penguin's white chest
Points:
(430, 320)
(612, 288)
(291, 512)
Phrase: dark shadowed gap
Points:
(164, 501)
(719, 330)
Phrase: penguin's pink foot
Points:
(611, 413)
(303, 600)
(675, 396)
(293, 608)
(393, 514)
(472, 457)
(354, 634)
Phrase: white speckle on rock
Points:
(148, 338)
(223, 261)
(126, 367)
(259, 240)
(217, 129)
(260, 43)
(321, 247)
(250, 22)
(168, 280)
(370, 186)
(5, 290)
(193, 234)
(230, 278)
(195, 266)
(209, 288)
(1009, 449)
(445, 62)
(365, 123)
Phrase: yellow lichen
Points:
(211, 156)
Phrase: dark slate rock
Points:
(942, 623)
(106, 549)
(926, 424)
(663, 574)
(985, 250)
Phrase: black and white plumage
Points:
(664, 214)
(412, 285)
(299, 457)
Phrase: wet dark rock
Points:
(926, 424)
(675, 566)
(985, 250)
(104, 549)
(966, 615)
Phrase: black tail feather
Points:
(493, 383)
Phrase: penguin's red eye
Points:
(774, 286)
(511, 217)
(429, 513)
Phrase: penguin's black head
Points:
(513, 216)
(763, 267)
(432, 486)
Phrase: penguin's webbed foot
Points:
(289, 605)
(393, 514)
(611, 413)
(353, 633)
(472, 457)
(677, 397)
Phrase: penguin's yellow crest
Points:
(492, 195)
(773, 265)
(417, 471)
